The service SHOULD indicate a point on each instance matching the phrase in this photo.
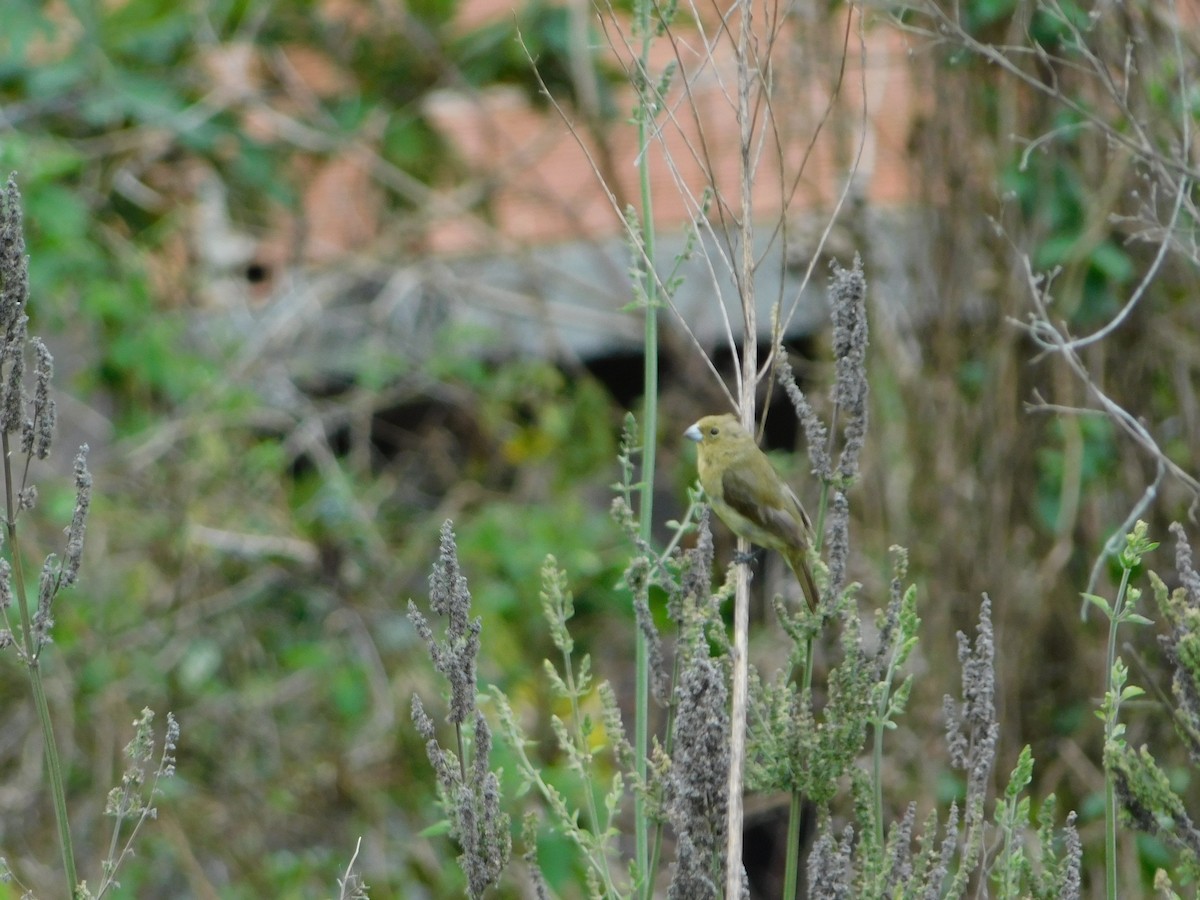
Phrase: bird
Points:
(748, 495)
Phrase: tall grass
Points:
(816, 729)
(27, 427)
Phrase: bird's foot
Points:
(744, 559)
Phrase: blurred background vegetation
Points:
(268, 497)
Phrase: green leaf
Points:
(1112, 262)
(437, 829)
(1098, 602)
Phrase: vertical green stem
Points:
(877, 770)
(1110, 795)
(649, 430)
(791, 871)
(1110, 839)
(641, 725)
(58, 794)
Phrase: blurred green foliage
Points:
(105, 106)
(291, 668)
(1077, 471)
(1052, 27)
(1059, 207)
(539, 31)
(289, 663)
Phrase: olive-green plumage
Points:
(749, 496)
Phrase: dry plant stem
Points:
(346, 882)
(737, 724)
(843, 194)
(117, 852)
(1056, 340)
(1171, 172)
(741, 604)
(1136, 141)
(33, 667)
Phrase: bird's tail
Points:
(798, 559)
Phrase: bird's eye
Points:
(714, 431)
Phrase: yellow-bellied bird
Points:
(749, 496)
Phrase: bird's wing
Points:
(799, 507)
(789, 524)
